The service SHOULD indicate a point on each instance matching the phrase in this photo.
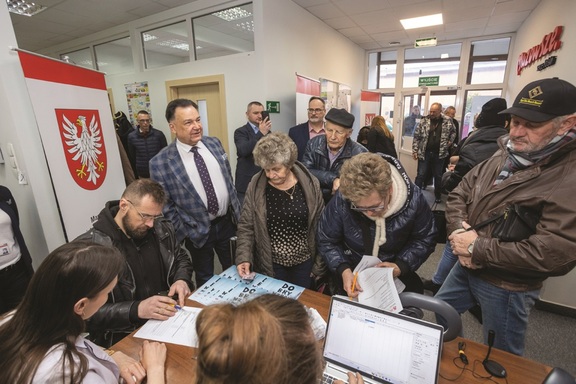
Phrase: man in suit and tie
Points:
(245, 139)
(302, 133)
(201, 200)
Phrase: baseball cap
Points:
(340, 117)
(543, 100)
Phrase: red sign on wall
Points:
(550, 43)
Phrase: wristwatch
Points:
(471, 246)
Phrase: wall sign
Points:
(550, 43)
(428, 81)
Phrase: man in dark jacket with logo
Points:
(158, 272)
(325, 154)
(143, 144)
(533, 172)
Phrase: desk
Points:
(181, 365)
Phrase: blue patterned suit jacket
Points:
(184, 207)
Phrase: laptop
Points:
(383, 347)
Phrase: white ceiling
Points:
(372, 24)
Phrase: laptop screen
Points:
(384, 346)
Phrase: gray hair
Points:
(275, 148)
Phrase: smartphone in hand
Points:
(265, 114)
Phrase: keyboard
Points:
(328, 379)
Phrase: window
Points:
(474, 102)
(488, 61)
(166, 45)
(387, 70)
(442, 61)
(224, 33)
(82, 57)
(115, 57)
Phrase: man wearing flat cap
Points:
(521, 204)
(325, 154)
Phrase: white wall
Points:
(39, 219)
(287, 39)
(295, 42)
(542, 21)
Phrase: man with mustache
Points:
(534, 170)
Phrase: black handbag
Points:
(440, 219)
(517, 223)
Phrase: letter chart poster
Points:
(75, 123)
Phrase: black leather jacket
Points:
(317, 160)
(114, 316)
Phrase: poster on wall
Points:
(305, 88)
(369, 106)
(336, 95)
(75, 123)
(138, 98)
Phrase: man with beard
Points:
(155, 263)
(533, 172)
(432, 139)
(302, 133)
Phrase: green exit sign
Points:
(273, 106)
(428, 81)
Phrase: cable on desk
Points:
(461, 361)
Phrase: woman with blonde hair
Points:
(266, 340)
(379, 212)
(380, 139)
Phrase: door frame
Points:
(405, 153)
(221, 132)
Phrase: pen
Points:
(176, 306)
(354, 281)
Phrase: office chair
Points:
(559, 376)
(417, 300)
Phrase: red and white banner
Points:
(369, 106)
(77, 131)
(305, 88)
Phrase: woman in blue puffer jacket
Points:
(377, 211)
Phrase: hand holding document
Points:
(379, 288)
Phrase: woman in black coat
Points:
(380, 139)
(15, 261)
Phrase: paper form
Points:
(178, 329)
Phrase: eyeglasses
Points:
(145, 217)
(147, 121)
(383, 205)
(315, 110)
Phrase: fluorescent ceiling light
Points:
(232, 14)
(175, 44)
(22, 7)
(148, 37)
(422, 21)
